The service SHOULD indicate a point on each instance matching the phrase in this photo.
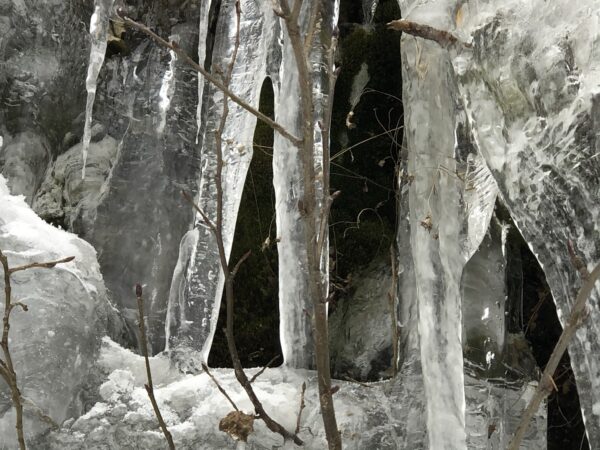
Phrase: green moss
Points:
(365, 175)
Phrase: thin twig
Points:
(205, 218)
(347, 149)
(545, 385)
(260, 372)
(240, 262)
(219, 387)
(352, 380)
(149, 386)
(45, 265)
(40, 413)
(302, 405)
(221, 86)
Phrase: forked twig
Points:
(261, 371)
(46, 265)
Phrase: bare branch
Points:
(442, 37)
(149, 386)
(302, 405)
(39, 412)
(240, 262)
(260, 372)
(205, 218)
(44, 265)
(578, 314)
(221, 86)
(8, 369)
(309, 217)
(205, 368)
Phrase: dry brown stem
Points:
(301, 408)
(442, 37)
(310, 215)
(7, 369)
(546, 383)
(261, 371)
(219, 387)
(150, 386)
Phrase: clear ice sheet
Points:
(530, 89)
(526, 94)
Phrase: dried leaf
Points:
(238, 425)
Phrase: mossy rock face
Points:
(363, 218)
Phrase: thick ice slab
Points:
(55, 344)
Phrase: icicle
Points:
(369, 8)
(202, 32)
(99, 24)
(166, 89)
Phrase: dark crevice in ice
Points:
(256, 318)
(531, 309)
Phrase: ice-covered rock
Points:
(354, 353)
(65, 198)
(23, 160)
(55, 344)
(370, 416)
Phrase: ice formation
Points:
(374, 416)
(196, 288)
(522, 95)
(512, 116)
(99, 28)
(55, 343)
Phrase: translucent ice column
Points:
(196, 289)
(436, 223)
(295, 304)
(99, 25)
